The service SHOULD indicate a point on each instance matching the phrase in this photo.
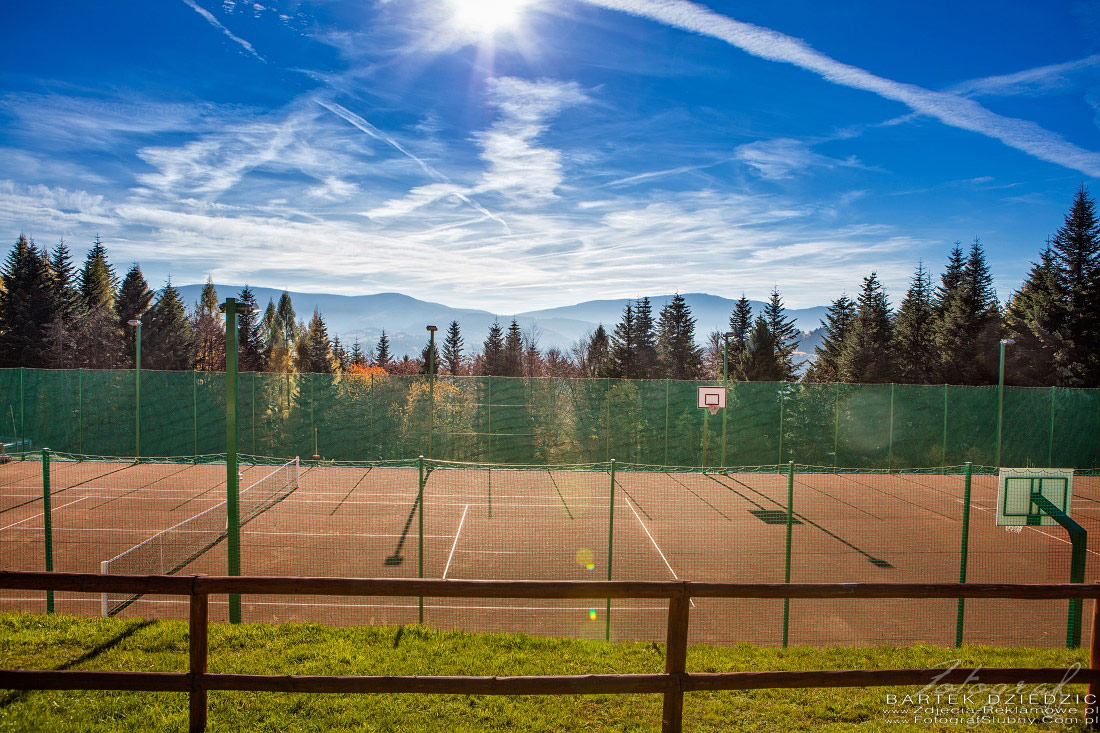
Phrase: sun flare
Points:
(488, 16)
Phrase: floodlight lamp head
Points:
(133, 322)
(729, 334)
(433, 329)
(1008, 341)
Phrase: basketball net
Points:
(1014, 528)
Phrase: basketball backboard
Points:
(712, 398)
(1017, 486)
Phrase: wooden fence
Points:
(673, 683)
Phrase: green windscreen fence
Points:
(504, 420)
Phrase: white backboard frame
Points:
(712, 398)
(1014, 487)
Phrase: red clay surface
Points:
(549, 524)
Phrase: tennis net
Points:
(170, 550)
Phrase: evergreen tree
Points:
(315, 349)
(679, 356)
(274, 343)
(382, 356)
(740, 327)
(134, 298)
(623, 359)
(513, 351)
(493, 351)
(1033, 319)
(167, 341)
(340, 355)
(784, 332)
(865, 355)
(968, 324)
(838, 320)
(26, 305)
(951, 279)
(431, 351)
(208, 332)
(286, 319)
(98, 283)
(1077, 251)
(759, 360)
(914, 337)
(452, 349)
(357, 357)
(66, 293)
(250, 333)
(596, 353)
(645, 331)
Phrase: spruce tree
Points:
(1077, 249)
(430, 351)
(914, 337)
(784, 332)
(64, 275)
(740, 326)
(357, 357)
(250, 333)
(596, 353)
(838, 320)
(493, 351)
(167, 341)
(622, 362)
(865, 355)
(645, 331)
(340, 356)
(513, 350)
(98, 283)
(382, 356)
(968, 324)
(315, 352)
(452, 349)
(680, 357)
(286, 318)
(272, 337)
(208, 332)
(26, 305)
(134, 298)
(1033, 319)
(759, 360)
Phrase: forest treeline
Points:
(54, 314)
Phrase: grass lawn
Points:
(60, 642)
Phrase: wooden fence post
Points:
(198, 643)
(672, 715)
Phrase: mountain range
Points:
(363, 317)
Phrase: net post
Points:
(610, 550)
(103, 567)
(787, 566)
(47, 521)
(963, 555)
(420, 535)
(232, 477)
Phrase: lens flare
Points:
(591, 614)
(585, 558)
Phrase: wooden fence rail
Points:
(672, 684)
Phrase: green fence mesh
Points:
(547, 421)
(441, 519)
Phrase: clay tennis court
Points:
(553, 523)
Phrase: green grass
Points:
(52, 642)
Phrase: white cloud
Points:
(209, 17)
(784, 157)
(1029, 81)
(950, 109)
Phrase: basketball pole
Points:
(232, 478)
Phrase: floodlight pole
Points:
(431, 387)
(1001, 399)
(136, 323)
(726, 387)
(232, 478)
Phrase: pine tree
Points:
(759, 360)
(167, 341)
(208, 332)
(838, 320)
(66, 293)
(740, 327)
(357, 357)
(26, 306)
(134, 298)
(914, 338)
(1033, 319)
(513, 351)
(679, 356)
(784, 332)
(250, 333)
(865, 355)
(596, 353)
(622, 362)
(1077, 251)
(951, 279)
(968, 324)
(646, 338)
(452, 349)
(98, 283)
(493, 351)
(382, 356)
(315, 347)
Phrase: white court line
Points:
(1035, 529)
(655, 545)
(36, 516)
(451, 556)
(121, 530)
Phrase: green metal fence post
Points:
(420, 536)
(195, 407)
(22, 425)
(890, 439)
(666, 421)
(943, 450)
(47, 520)
(787, 565)
(963, 555)
(253, 382)
(836, 430)
(370, 449)
(80, 406)
(1050, 441)
(610, 550)
(607, 418)
(706, 423)
(232, 477)
(782, 404)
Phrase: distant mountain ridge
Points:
(403, 317)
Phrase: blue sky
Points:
(519, 154)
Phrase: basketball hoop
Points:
(712, 399)
(712, 410)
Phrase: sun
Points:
(486, 17)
